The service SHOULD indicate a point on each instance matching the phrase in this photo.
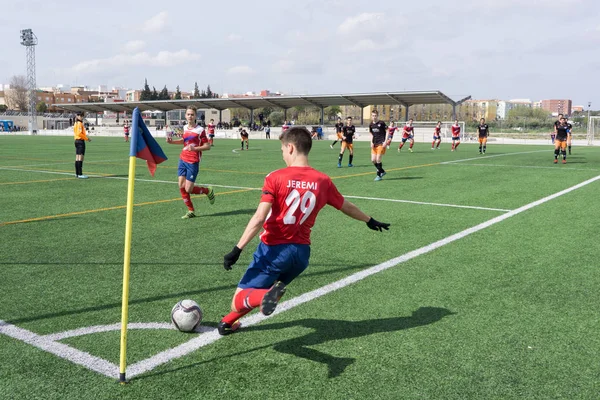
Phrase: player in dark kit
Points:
(560, 143)
(244, 135)
(348, 132)
(484, 131)
(378, 131)
(291, 199)
(338, 131)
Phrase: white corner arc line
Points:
(427, 203)
(106, 328)
(212, 336)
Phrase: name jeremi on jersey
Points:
(302, 185)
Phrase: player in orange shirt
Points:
(80, 139)
(195, 142)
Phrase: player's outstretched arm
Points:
(254, 225)
(353, 211)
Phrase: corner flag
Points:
(143, 145)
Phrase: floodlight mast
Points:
(29, 40)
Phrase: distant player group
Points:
(382, 136)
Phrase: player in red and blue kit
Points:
(291, 199)
(211, 132)
(408, 133)
(195, 142)
(455, 135)
(391, 130)
(437, 136)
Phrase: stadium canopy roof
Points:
(359, 99)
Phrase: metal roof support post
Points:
(362, 116)
(285, 114)
(221, 116)
(453, 112)
(322, 116)
(406, 112)
(96, 118)
(251, 118)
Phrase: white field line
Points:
(250, 188)
(212, 336)
(59, 163)
(426, 203)
(111, 370)
(61, 350)
(482, 157)
(556, 168)
(106, 328)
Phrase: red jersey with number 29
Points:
(297, 194)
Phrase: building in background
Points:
(556, 107)
(505, 106)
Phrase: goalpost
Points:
(423, 131)
(593, 129)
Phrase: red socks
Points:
(199, 190)
(186, 199)
(245, 301)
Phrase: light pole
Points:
(589, 121)
(29, 40)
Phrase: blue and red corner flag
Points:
(143, 145)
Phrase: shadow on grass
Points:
(174, 296)
(402, 178)
(248, 211)
(324, 331)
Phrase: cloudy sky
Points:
(505, 49)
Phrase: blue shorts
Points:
(455, 137)
(436, 137)
(282, 262)
(189, 170)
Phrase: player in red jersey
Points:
(455, 135)
(195, 142)
(126, 131)
(408, 133)
(291, 199)
(437, 136)
(391, 130)
(211, 132)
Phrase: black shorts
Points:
(80, 147)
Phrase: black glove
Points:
(232, 257)
(376, 225)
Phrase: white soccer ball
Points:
(186, 315)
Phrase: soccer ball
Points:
(186, 315)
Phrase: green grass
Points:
(507, 312)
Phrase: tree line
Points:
(153, 94)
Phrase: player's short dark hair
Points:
(194, 109)
(348, 117)
(300, 137)
(79, 113)
(439, 122)
(375, 112)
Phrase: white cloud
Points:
(286, 66)
(359, 23)
(161, 59)
(234, 37)
(240, 70)
(366, 45)
(134, 46)
(156, 23)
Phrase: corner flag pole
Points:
(135, 132)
